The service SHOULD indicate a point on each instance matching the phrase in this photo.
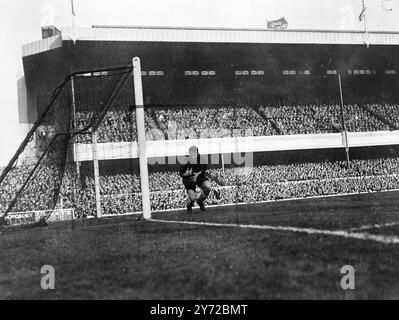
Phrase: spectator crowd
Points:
(210, 121)
(121, 192)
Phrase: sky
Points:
(20, 22)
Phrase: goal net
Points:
(42, 177)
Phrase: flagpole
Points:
(362, 16)
(73, 13)
(364, 20)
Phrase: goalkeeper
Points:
(194, 174)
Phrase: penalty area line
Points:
(339, 233)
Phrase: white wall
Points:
(127, 150)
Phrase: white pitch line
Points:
(375, 226)
(339, 233)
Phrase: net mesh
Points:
(43, 165)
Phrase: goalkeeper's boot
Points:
(190, 207)
(201, 205)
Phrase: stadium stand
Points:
(388, 111)
(120, 193)
(37, 195)
(210, 122)
(311, 118)
(180, 122)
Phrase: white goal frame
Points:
(141, 138)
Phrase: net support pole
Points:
(345, 133)
(96, 174)
(141, 139)
(222, 157)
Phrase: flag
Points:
(277, 24)
(363, 13)
(384, 7)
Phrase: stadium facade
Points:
(181, 64)
(172, 51)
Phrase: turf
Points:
(122, 258)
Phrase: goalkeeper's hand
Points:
(188, 172)
(195, 176)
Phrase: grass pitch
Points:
(122, 258)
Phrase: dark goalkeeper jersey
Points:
(197, 167)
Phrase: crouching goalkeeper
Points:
(194, 174)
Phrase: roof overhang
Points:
(225, 35)
(210, 35)
(42, 46)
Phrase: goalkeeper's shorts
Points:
(190, 185)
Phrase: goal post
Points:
(141, 138)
